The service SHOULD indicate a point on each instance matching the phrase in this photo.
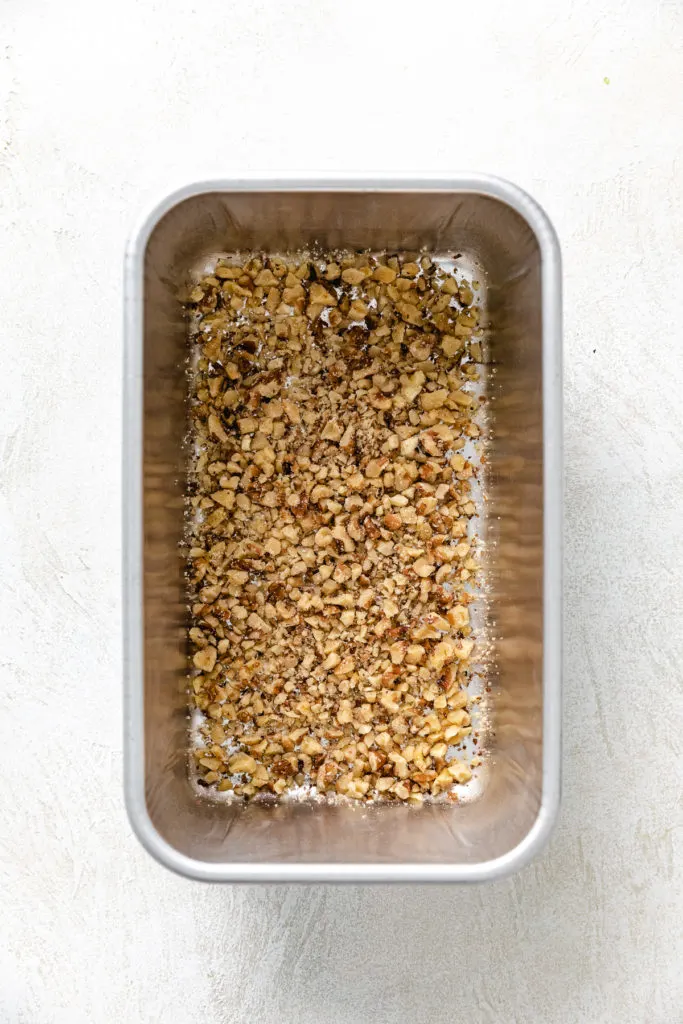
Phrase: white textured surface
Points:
(103, 106)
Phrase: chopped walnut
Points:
(331, 565)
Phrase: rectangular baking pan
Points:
(502, 231)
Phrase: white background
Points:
(104, 106)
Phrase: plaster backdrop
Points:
(102, 108)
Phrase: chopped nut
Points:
(291, 411)
(452, 346)
(206, 659)
(458, 617)
(311, 746)
(412, 385)
(320, 295)
(216, 428)
(423, 568)
(463, 649)
(384, 274)
(247, 425)
(411, 314)
(345, 667)
(397, 652)
(459, 771)
(441, 655)
(434, 399)
(256, 622)
(358, 311)
(345, 714)
(265, 279)
(224, 498)
(415, 654)
(331, 431)
(347, 436)
(353, 276)
(237, 576)
(242, 763)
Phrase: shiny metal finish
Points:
(501, 229)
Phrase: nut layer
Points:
(330, 562)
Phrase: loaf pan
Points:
(501, 231)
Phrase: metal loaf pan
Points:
(503, 232)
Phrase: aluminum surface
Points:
(503, 231)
